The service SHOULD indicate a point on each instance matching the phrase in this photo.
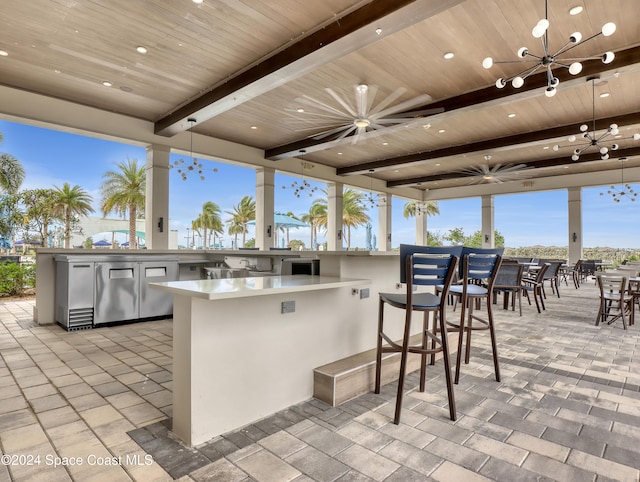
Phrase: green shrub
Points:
(16, 278)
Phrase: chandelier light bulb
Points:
(576, 152)
(550, 91)
(584, 127)
(636, 137)
(575, 157)
(540, 28)
(517, 82)
(615, 147)
(608, 29)
(604, 150)
(608, 57)
(500, 83)
(522, 52)
(575, 37)
(556, 148)
(487, 63)
(571, 138)
(604, 157)
(575, 68)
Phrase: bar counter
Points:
(237, 357)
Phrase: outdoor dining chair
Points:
(509, 282)
(615, 301)
(533, 285)
(419, 266)
(551, 276)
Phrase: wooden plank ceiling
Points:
(266, 73)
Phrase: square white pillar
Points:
(265, 228)
(384, 222)
(157, 197)
(575, 224)
(335, 234)
(488, 222)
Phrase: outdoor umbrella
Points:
(102, 243)
(282, 221)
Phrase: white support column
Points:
(384, 222)
(265, 229)
(421, 224)
(157, 197)
(488, 222)
(335, 235)
(575, 224)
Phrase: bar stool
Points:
(426, 266)
(479, 270)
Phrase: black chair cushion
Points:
(418, 300)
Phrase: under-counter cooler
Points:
(95, 290)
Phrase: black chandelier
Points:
(592, 139)
(193, 166)
(625, 191)
(303, 186)
(371, 200)
(548, 59)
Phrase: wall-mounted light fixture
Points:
(269, 231)
(574, 237)
(161, 224)
(486, 238)
(389, 237)
(340, 234)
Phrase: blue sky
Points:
(51, 158)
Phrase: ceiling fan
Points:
(341, 117)
(498, 173)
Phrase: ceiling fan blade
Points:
(362, 95)
(356, 137)
(310, 101)
(406, 105)
(388, 100)
(327, 133)
(343, 102)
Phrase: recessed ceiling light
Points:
(141, 49)
(106, 83)
(511, 116)
(566, 167)
(487, 157)
(378, 31)
(197, 1)
(437, 164)
(426, 126)
(442, 131)
(546, 147)
(254, 127)
(4, 53)
(605, 94)
(576, 10)
(396, 170)
(339, 153)
(385, 143)
(126, 88)
(299, 109)
(449, 55)
(57, 71)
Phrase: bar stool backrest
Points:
(486, 251)
(427, 265)
(481, 267)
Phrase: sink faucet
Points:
(245, 261)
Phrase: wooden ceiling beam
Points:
(624, 58)
(555, 162)
(335, 40)
(490, 144)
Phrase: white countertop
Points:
(220, 289)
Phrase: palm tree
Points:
(123, 191)
(316, 217)
(11, 173)
(431, 209)
(70, 202)
(209, 220)
(354, 213)
(242, 213)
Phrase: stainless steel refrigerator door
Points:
(117, 294)
(154, 302)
